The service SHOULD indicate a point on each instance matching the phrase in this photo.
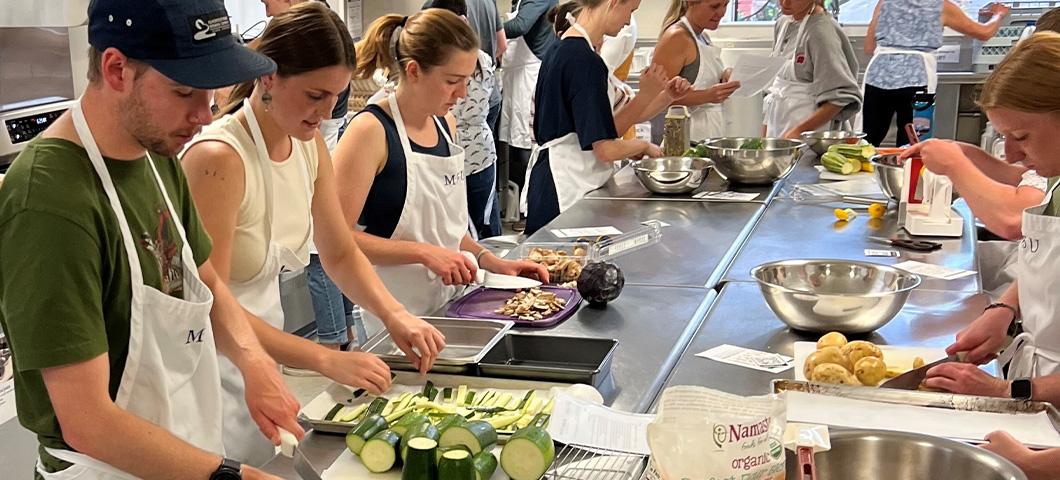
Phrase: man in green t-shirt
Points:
(113, 330)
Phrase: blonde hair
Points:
(1049, 21)
(428, 38)
(1028, 79)
(678, 9)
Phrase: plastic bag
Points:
(703, 434)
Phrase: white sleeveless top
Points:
(291, 202)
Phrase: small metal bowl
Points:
(863, 453)
(754, 167)
(834, 295)
(820, 141)
(672, 175)
(890, 174)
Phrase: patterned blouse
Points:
(910, 25)
(473, 132)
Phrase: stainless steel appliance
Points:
(1018, 25)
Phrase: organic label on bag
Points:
(703, 434)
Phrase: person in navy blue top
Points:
(580, 108)
(402, 184)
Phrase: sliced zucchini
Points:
(456, 464)
(420, 461)
(447, 394)
(476, 436)
(380, 452)
(420, 430)
(484, 463)
(528, 454)
(352, 414)
(411, 419)
(364, 430)
(461, 395)
(448, 421)
(334, 411)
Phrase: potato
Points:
(822, 356)
(832, 339)
(834, 374)
(918, 362)
(870, 371)
(859, 349)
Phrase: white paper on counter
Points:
(7, 400)
(585, 232)
(872, 252)
(745, 357)
(934, 271)
(755, 73)
(576, 421)
(726, 196)
(1034, 429)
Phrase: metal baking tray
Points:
(559, 359)
(466, 342)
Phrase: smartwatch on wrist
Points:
(1021, 389)
(228, 470)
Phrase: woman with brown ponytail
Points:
(401, 176)
(262, 179)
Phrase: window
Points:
(851, 12)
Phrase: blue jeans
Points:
(482, 203)
(334, 313)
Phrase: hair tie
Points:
(570, 18)
(394, 38)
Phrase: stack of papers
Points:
(933, 271)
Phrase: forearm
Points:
(358, 280)
(469, 244)
(999, 206)
(290, 350)
(386, 251)
(134, 445)
(696, 98)
(607, 151)
(993, 167)
(232, 331)
(634, 112)
(1046, 389)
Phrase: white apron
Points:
(518, 82)
(707, 119)
(171, 374)
(789, 101)
(931, 67)
(1036, 352)
(435, 213)
(574, 171)
(260, 295)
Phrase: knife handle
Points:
(288, 443)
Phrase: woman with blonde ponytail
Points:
(1022, 100)
(685, 50)
(261, 177)
(401, 175)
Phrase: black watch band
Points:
(1021, 389)
(1016, 326)
(228, 470)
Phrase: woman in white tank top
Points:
(262, 179)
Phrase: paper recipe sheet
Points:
(745, 357)
(578, 422)
(755, 73)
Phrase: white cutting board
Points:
(832, 176)
(349, 467)
(894, 356)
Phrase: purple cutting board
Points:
(481, 303)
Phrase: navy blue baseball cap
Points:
(189, 41)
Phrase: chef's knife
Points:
(289, 447)
(499, 281)
(912, 379)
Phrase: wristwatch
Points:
(228, 470)
(1021, 389)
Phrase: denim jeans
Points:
(482, 202)
(333, 311)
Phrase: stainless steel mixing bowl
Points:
(889, 175)
(834, 295)
(755, 167)
(878, 454)
(820, 141)
(672, 175)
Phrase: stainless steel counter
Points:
(18, 450)
(741, 317)
(701, 240)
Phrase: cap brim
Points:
(227, 67)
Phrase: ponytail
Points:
(429, 38)
(678, 9)
(374, 50)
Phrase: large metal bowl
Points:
(820, 141)
(878, 454)
(672, 175)
(890, 175)
(834, 295)
(754, 167)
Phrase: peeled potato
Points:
(832, 339)
(822, 356)
(918, 362)
(834, 374)
(859, 349)
(870, 371)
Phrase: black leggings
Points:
(883, 105)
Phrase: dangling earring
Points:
(266, 98)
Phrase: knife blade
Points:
(912, 379)
(500, 281)
(289, 447)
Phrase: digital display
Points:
(23, 129)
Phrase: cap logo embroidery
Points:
(209, 26)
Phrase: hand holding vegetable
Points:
(943, 157)
(357, 369)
